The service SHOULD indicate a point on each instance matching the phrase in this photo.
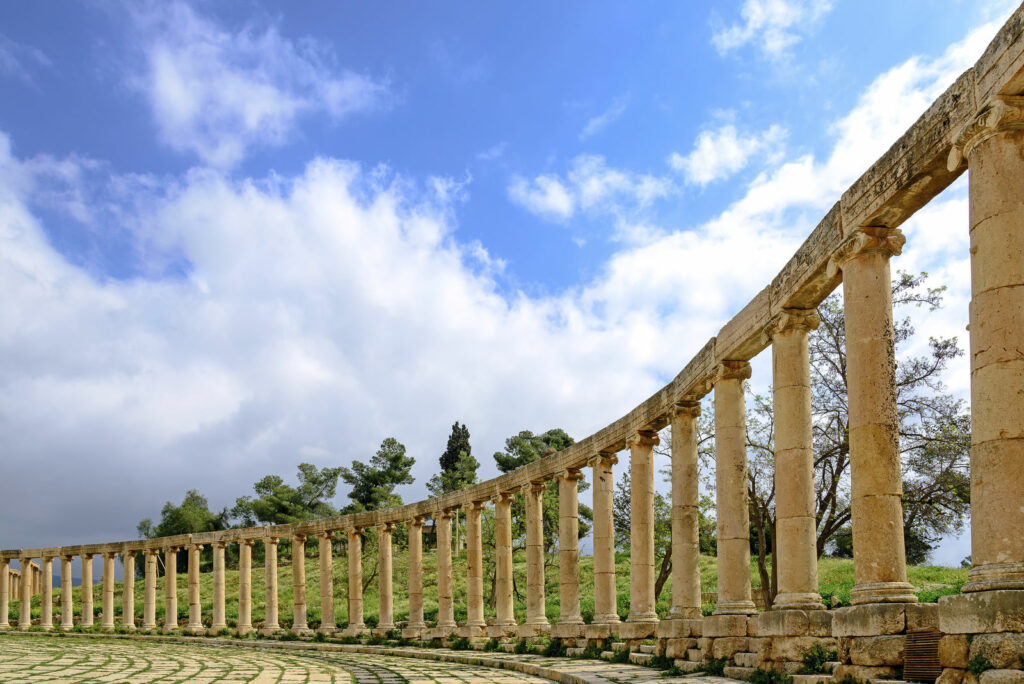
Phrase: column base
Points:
(270, 630)
(327, 629)
(882, 592)
(191, 629)
(606, 619)
(476, 631)
(740, 607)
(994, 576)
(798, 601)
(413, 632)
(568, 630)
(502, 630)
(7, 626)
(439, 632)
(213, 628)
(243, 629)
(692, 613)
(145, 628)
(356, 630)
(302, 631)
(130, 628)
(637, 630)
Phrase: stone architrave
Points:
(385, 594)
(503, 560)
(87, 608)
(879, 557)
(67, 608)
(327, 619)
(734, 596)
(46, 580)
(796, 524)
(355, 580)
(149, 590)
(415, 529)
(445, 605)
(605, 608)
(641, 527)
(245, 586)
(195, 606)
(475, 566)
(219, 618)
(568, 547)
(270, 623)
(533, 492)
(685, 513)
(170, 589)
(299, 625)
(128, 590)
(992, 145)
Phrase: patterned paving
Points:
(29, 659)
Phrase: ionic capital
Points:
(686, 408)
(167, 549)
(195, 547)
(354, 532)
(730, 370)
(446, 514)
(643, 438)
(534, 487)
(416, 521)
(218, 545)
(387, 528)
(88, 556)
(866, 240)
(503, 498)
(804, 320)
(326, 534)
(299, 538)
(128, 553)
(246, 542)
(603, 459)
(474, 506)
(1001, 113)
(570, 475)
(109, 555)
(271, 541)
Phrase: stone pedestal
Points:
(984, 624)
(386, 620)
(475, 569)
(128, 591)
(641, 527)
(605, 599)
(784, 635)
(67, 610)
(219, 620)
(327, 619)
(270, 624)
(245, 586)
(685, 513)
(195, 605)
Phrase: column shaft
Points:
(195, 606)
(879, 558)
(270, 624)
(355, 580)
(445, 606)
(503, 558)
(605, 594)
(46, 607)
(796, 524)
(327, 620)
(149, 591)
(107, 623)
(245, 586)
(170, 589)
(685, 513)
(219, 619)
(386, 618)
(128, 593)
(641, 527)
(67, 611)
(299, 584)
(568, 548)
(87, 609)
(25, 603)
(415, 528)
(535, 604)
(5, 593)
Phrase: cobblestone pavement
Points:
(94, 660)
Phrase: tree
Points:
(277, 503)
(191, 517)
(373, 485)
(458, 470)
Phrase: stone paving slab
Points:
(89, 658)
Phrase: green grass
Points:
(836, 579)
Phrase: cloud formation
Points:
(718, 154)
(605, 118)
(215, 93)
(773, 25)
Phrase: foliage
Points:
(760, 676)
(492, 645)
(814, 659)
(661, 662)
(373, 485)
(715, 666)
(461, 644)
(554, 649)
(458, 466)
(522, 646)
(978, 664)
(191, 517)
(620, 656)
(277, 503)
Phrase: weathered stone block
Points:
(951, 675)
(869, 620)
(637, 630)
(640, 658)
(761, 646)
(531, 631)
(569, 631)
(863, 672)
(782, 623)
(812, 679)
(725, 647)
(745, 659)
(696, 627)
(743, 673)
(1002, 677)
(982, 612)
(1002, 650)
(677, 648)
(687, 665)
(954, 651)
(922, 616)
(599, 631)
(704, 644)
(820, 622)
(695, 655)
(878, 650)
(843, 648)
(725, 626)
(793, 648)
(674, 629)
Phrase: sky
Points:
(243, 235)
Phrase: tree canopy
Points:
(373, 484)
(279, 503)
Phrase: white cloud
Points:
(495, 151)
(216, 92)
(774, 25)
(720, 153)
(606, 118)
(545, 196)
(18, 60)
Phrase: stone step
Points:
(607, 655)
(694, 655)
(573, 652)
(507, 648)
(640, 658)
(745, 659)
(620, 646)
(743, 673)
(812, 679)
(687, 665)
(648, 648)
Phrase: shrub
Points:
(492, 646)
(620, 656)
(715, 666)
(660, 662)
(814, 659)
(289, 636)
(461, 644)
(674, 671)
(978, 664)
(434, 643)
(760, 676)
(554, 649)
(522, 646)
(319, 637)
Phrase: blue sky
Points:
(242, 235)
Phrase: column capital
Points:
(299, 538)
(1001, 113)
(503, 497)
(353, 532)
(603, 458)
(685, 407)
(445, 514)
(128, 553)
(271, 540)
(67, 557)
(246, 542)
(196, 547)
(866, 240)
(643, 438)
(474, 506)
(326, 534)
(534, 487)
(388, 527)
(786, 320)
(88, 556)
(218, 544)
(570, 475)
(416, 521)
(110, 555)
(730, 370)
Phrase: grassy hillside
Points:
(835, 580)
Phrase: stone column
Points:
(731, 490)
(445, 607)
(5, 593)
(170, 589)
(879, 557)
(415, 527)
(195, 606)
(107, 622)
(796, 524)
(25, 603)
(245, 586)
(327, 621)
(299, 584)
(270, 585)
(87, 609)
(535, 603)
(386, 620)
(219, 619)
(149, 590)
(355, 580)
(992, 145)
(685, 513)
(128, 594)
(605, 595)
(67, 609)
(641, 527)
(46, 579)
(568, 548)
(503, 560)
(474, 567)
